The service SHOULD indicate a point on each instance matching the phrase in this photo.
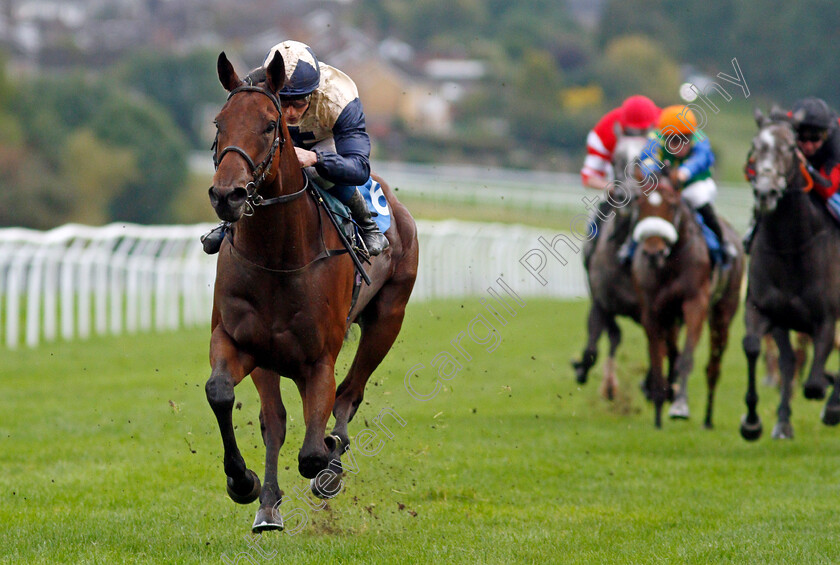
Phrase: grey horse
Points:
(794, 274)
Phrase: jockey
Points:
(818, 139)
(636, 116)
(327, 125)
(680, 144)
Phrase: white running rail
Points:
(76, 281)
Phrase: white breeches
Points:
(700, 193)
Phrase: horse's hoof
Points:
(750, 431)
(608, 392)
(250, 496)
(782, 430)
(679, 410)
(327, 484)
(267, 519)
(830, 414)
(580, 372)
(814, 390)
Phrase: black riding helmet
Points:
(813, 114)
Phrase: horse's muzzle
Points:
(229, 203)
(656, 252)
(766, 200)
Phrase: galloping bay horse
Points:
(283, 295)
(794, 277)
(674, 278)
(610, 281)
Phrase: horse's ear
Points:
(760, 118)
(777, 114)
(227, 76)
(617, 129)
(798, 116)
(275, 73)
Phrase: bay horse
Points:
(610, 282)
(677, 286)
(794, 276)
(283, 295)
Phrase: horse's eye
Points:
(270, 127)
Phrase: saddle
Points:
(370, 191)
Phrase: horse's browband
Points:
(261, 90)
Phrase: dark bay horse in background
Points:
(282, 301)
(610, 282)
(673, 275)
(794, 278)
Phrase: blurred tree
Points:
(94, 174)
(128, 133)
(161, 153)
(31, 196)
(182, 84)
(783, 48)
(534, 102)
(638, 65)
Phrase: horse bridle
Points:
(259, 172)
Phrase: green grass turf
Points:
(110, 454)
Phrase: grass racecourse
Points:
(110, 454)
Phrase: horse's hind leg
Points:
(719, 337)
(814, 388)
(229, 368)
(831, 411)
(317, 390)
(381, 322)
(787, 363)
(595, 325)
(609, 384)
(273, 427)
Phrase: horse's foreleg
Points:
(694, 314)
(757, 326)
(273, 427)
(814, 388)
(229, 368)
(595, 324)
(657, 385)
(672, 341)
(787, 362)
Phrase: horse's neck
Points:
(797, 217)
(283, 235)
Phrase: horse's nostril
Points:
(237, 196)
(214, 196)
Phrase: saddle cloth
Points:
(380, 211)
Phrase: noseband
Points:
(259, 172)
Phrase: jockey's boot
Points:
(375, 240)
(626, 251)
(711, 220)
(597, 220)
(212, 240)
